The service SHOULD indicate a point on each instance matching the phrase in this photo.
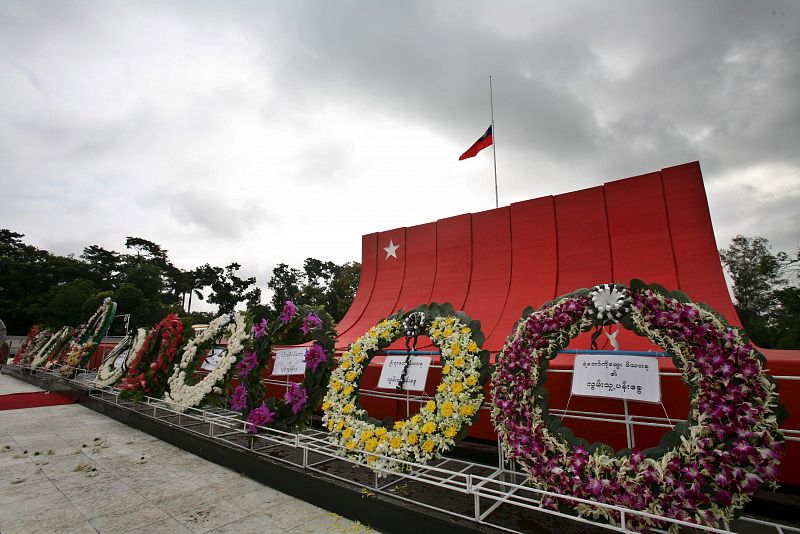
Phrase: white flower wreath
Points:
(108, 374)
(184, 395)
(438, 425)
(26, 353)
(87, 338)
(55, 342)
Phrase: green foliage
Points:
(755, 271)
(229, 289)
(786, 318)
(319, 283)
(105, 266)
(766, 291)
(66, 304)
(39, 287)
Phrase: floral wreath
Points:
(147, 373)
(704, 470)
(52, 348)
(87, 338)
(33, 342)
(440, 423)
(108, 374)
(39, 342)
(184, 392)
(293, 411)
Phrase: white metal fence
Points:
(478, 492)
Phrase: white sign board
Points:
(121, 359)
(416, 376)
(289, 362)
(213, 358)
(618, 377)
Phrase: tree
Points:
(198, 279)
(147, 251)
(37, 286)
(147, 278)
(787, 318)
(105, 265)
(342, 289)
(228, 289)
(768, 310)
(320, 283)
(26, 275)
(755, 272)
(67, 304)
(285, 285)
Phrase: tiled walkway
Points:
(69, 469)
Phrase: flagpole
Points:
(494, 144)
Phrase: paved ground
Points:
(69, 469)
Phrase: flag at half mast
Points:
(480, 144)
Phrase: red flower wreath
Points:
(149, 371)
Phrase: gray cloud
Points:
(205, 124)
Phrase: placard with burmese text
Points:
(213, 358)
(121, 359)
(617, 376)
(416, 376)
(289, 362)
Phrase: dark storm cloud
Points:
(212, 216)
(609, 90)
(711, 80)
(257, 104)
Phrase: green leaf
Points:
(653, 452)
(486, 372)
(637, 285)
(553, 423)
(658, 288)
(477, 335)
(566, 434)
(715, 313)
(680, 296)
(581, 442)
(601, 448)
(781, 413)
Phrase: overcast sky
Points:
(267, 132)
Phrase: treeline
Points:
(37, 286)
(766, 290)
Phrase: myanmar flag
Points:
(480, 144)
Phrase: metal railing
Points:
(481, 490)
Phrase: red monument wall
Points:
(493, 264)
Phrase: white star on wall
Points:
(391, 250)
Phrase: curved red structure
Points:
(493, 264)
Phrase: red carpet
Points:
(15, 401)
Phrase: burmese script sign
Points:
(213, 358)
(416, 376)
(121, 359)
(618, 377)
(289, 362)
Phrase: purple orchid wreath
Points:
(703, 471)
(292, 411)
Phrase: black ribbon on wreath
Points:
(598, 330)
(412, 328)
